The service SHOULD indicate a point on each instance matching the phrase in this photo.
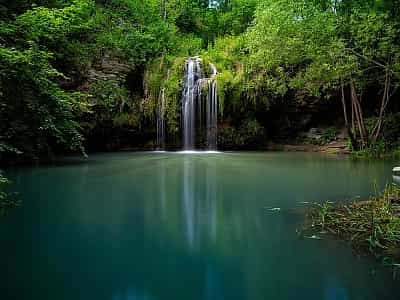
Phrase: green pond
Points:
(144, 226)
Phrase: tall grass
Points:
(372, 225)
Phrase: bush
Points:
(329, 135)
(250, 134)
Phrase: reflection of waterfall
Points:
(130, 294)
(211, 190)
(189, 201)
(162, 173)
(192, 97)
(161, 121)
(199, 201)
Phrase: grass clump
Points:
(372, 225)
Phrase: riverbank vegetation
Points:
(370, 226)
(85, 75)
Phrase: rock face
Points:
(314, 134)
(109, 69)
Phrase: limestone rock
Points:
(109, 69)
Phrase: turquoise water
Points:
(144, 226)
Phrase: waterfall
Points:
(189, 95)
(212, 111)
(195, 104)
(161, 121)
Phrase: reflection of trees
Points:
(7, 200)
(130, 294)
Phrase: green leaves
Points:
(49, 25)
(296, 44)
(37, 115)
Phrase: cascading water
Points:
(161, 121)
(189, 95)
(212, 111)
(192, 98)
(199, 113)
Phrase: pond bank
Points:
(336, 147)
(371, 226)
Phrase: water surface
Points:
(144, 226)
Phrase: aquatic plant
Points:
(372, 225)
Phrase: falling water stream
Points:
(199, 113)
(189, 95)
(161, 122)
(212, 110)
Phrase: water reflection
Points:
(199, 200)
(211, 191)
(213, 288)
(130, 294)
(162, 174)
(189, 201)
(335, 290)
(168, 226)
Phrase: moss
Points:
(224, 80)
(172, 93)
(166, 74)
(231, 84)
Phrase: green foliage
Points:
(38, 117)
(133, 43)
(49, 26)
(329, 135)
(388, 144)
(108, 100)
(227, 59)
(303, 48)
(391, 130)
(373, 150)
(300, 50)
(249, 135)
(165, 74)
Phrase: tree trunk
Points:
(359, 115)
(385, 100)
(346, 120)
(353, 124)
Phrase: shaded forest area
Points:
(81, 75)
